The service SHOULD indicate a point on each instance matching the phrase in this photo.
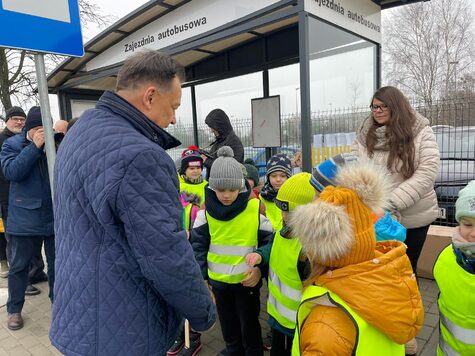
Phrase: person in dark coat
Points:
(126, 273)
(15, 119)
(30, 212)
(223, 131)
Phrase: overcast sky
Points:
(114, 8)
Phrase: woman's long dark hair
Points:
(399, 130)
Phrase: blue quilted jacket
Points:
(125, 272)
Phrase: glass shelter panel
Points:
(342, 81)
(233, 95)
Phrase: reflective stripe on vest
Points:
(285, 286)
(230, 242)
(196, 189)
(370, 341)
(457, 314)
(443, 349)
(273, 213)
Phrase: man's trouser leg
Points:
(36, 272)
(23, 250)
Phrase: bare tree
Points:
(428, 46)
(17, 67)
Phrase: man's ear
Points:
(148, 96)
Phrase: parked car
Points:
(457, 167)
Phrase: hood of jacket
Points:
(382, 291)
(110, 101)
(218, 120)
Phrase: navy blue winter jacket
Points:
(126, 273)
(30, 209)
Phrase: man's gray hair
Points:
(149, 66)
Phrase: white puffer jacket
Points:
(414, 198)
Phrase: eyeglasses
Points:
(19, 119)
(377, 107)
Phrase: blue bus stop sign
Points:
(50, 26)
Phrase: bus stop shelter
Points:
(314, 54)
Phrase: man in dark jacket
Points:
(126, 274)
(30, 214)
(15, 119)
(219, 122)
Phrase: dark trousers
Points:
(36, 272)
(281, 344)
(3, 248)
(23, 250)
(415, 239)
(238, 311)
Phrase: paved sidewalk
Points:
(33, 338)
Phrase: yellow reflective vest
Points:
(273, 213)
(196, 189)
(230, 242)
(285, 286)
(370, 341)
(456, 306)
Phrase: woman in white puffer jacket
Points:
(397, 137)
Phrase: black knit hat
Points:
(191, 157)
(14, 111)
(279, 162)
(33, 119)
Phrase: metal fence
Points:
(453, 123)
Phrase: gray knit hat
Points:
(226, 172)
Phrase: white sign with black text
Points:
(189, 20)
(362, 17)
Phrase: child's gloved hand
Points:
(253, 276)
(253, 259)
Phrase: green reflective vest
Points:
(285, 286)
(230, 242)
(273, 213)
(370, 341)
(456, 306)
(196, 189)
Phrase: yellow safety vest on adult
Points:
(273, 213)
(285, 286)
(370, 341)
(230, 242)
(456, 307)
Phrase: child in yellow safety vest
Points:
(361, 296)
(192, 197)
(454, 272)
(278, 170)
(287, 265)
(189, 173)
(227, 230)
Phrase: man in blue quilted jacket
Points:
(126, 274)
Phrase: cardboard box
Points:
(438, 238)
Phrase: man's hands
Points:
(39, 138)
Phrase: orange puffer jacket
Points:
(382, 291)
